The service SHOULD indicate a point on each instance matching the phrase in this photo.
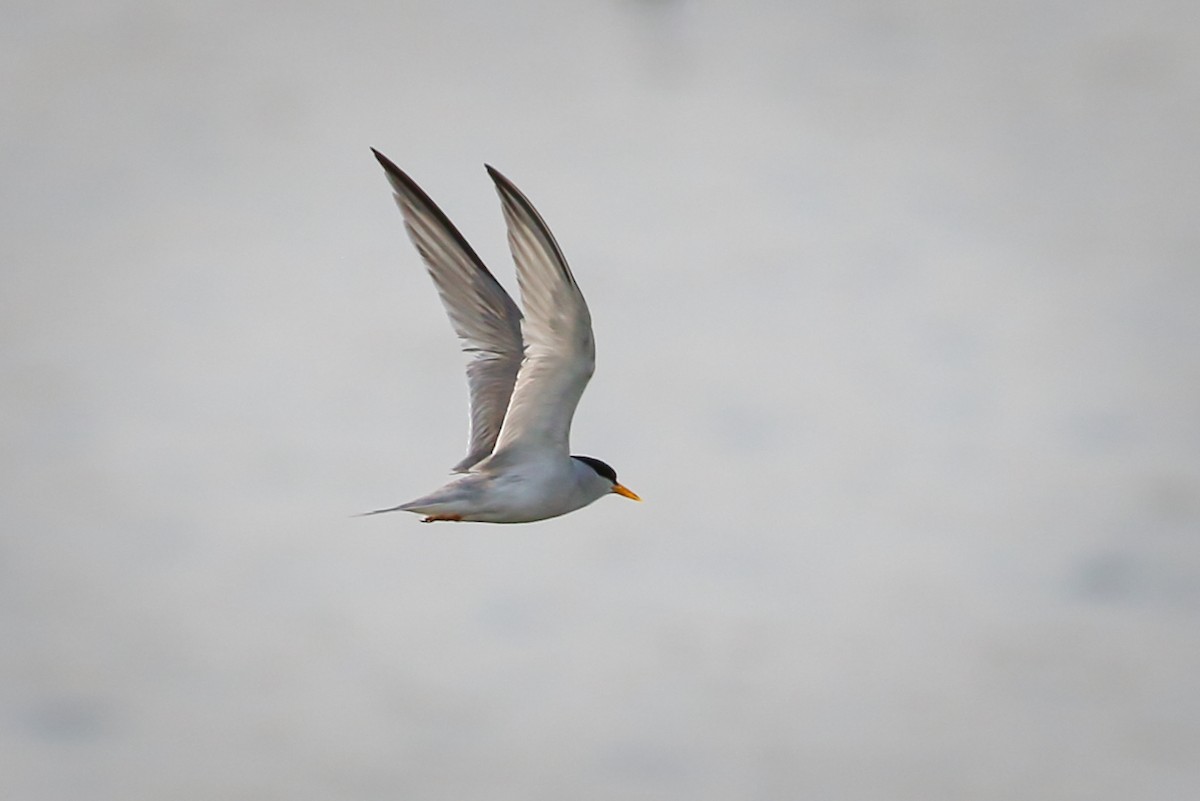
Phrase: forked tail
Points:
(399, 508)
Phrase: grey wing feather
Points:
(560, 353)
(483, 315)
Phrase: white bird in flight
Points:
(525, 373)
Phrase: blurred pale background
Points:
(898, 315)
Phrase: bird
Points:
(525, 372)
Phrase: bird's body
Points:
(516, 492)
(526, 372)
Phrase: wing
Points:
(482, 313)
(560, 354)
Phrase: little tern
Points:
(525, 373)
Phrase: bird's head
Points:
(603, 470)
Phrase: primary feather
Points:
(485, 318)
(560, 354)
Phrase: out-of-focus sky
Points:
(898, 320)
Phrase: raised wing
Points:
(482, 313)
(560, 354)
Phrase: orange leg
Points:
(435, 518)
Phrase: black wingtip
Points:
(399, 179)
(386, 163)
(511, 196)
(507, 188)
(497, 176)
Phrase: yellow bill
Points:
(625, 491)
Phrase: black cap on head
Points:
(600, 467)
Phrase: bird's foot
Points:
(435, 518)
